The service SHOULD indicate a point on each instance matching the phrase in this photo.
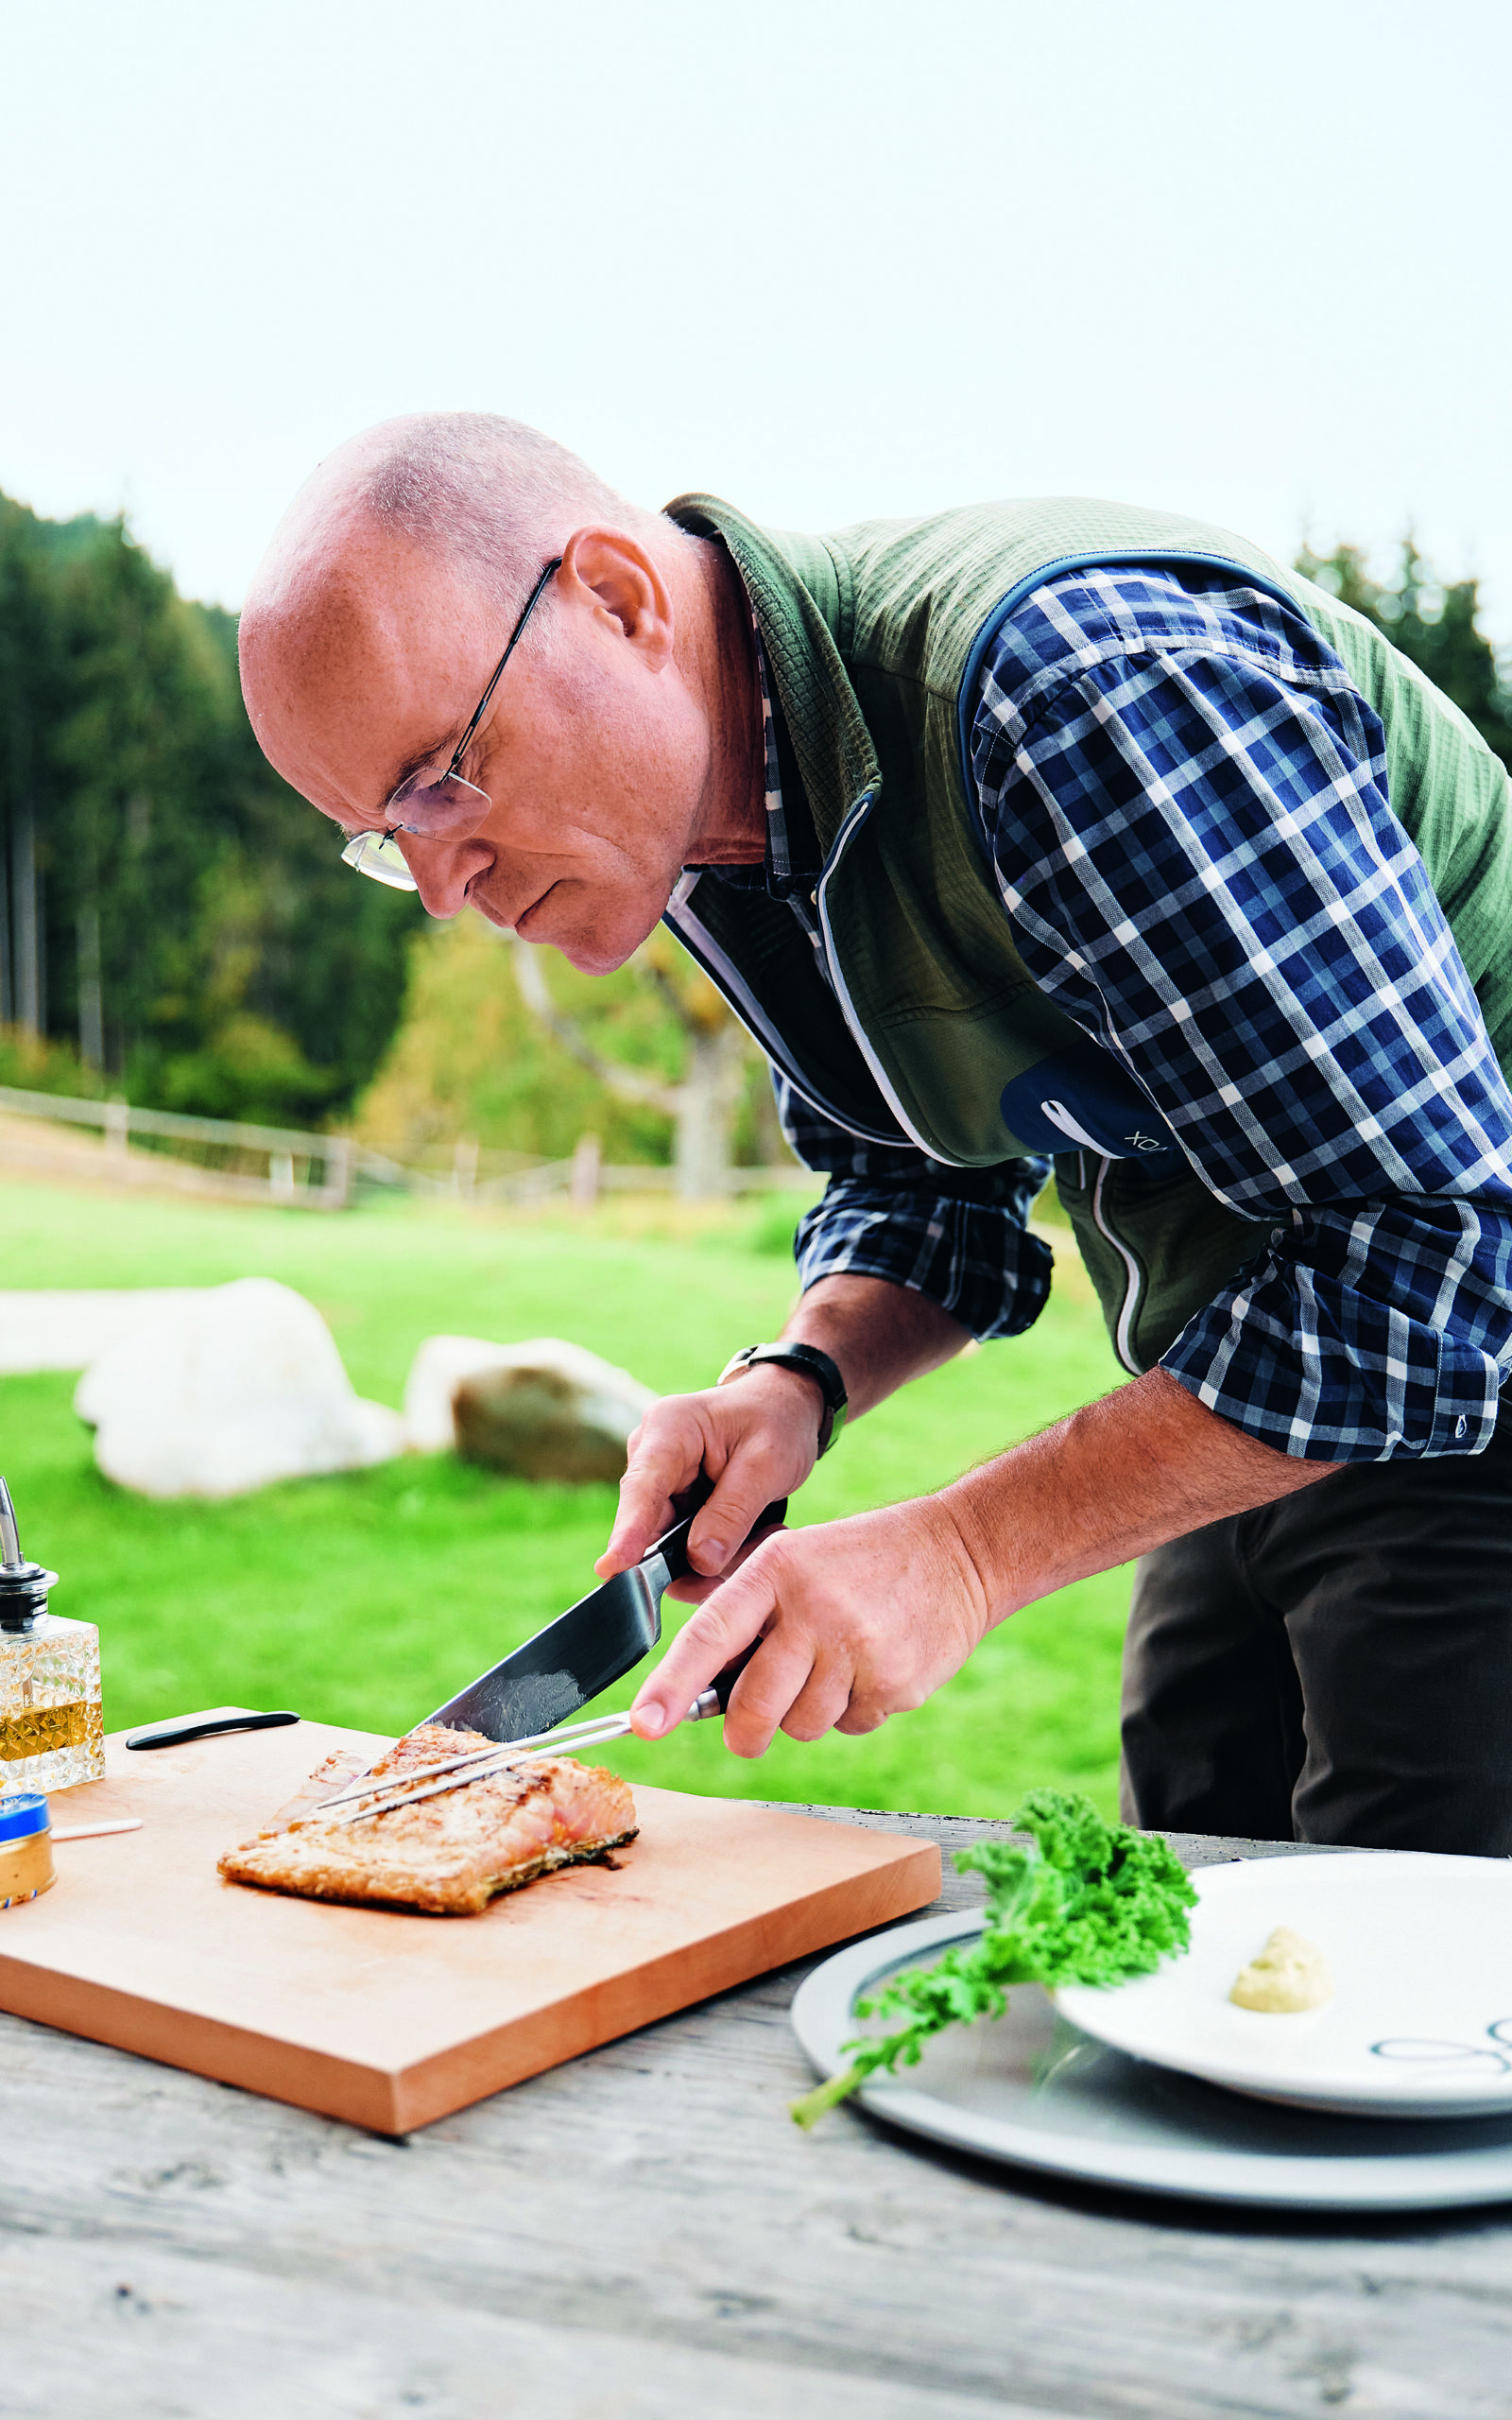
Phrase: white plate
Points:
(1035, 2092)
(1420, 2025)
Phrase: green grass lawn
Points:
(369, 1598)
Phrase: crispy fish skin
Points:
(452, 1853)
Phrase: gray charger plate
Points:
(1033, 2091)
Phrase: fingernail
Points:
(652, 1721)
(715, 1552)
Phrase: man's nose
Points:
(442, 870)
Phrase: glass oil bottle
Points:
(51, 1730)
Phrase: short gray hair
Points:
(495, 496)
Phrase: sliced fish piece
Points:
(446, 1856)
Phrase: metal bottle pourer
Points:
(22, 1586)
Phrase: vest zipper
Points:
(842, 991)
(1133, 1285)
(705, 951)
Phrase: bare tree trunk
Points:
(28, 920)
(90, 997)
(708, 1099)
(588, 1158)
(8, 998)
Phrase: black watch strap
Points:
(813, 1364)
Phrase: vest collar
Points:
(799, 600)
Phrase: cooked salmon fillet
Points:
(450, 1854)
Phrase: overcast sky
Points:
(826, 257)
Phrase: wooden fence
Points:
(228, 1158)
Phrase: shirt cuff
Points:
(1307, 1362)
(975, 1259)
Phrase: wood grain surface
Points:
(640, 2234)
(387, 2017)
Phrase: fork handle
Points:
(715, 1698)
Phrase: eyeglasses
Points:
(439, 806)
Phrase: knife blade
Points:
(584, 1650)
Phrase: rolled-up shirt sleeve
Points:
(1191, 825)
(959, 1235)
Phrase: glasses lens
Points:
(380, 858)
(444, 809)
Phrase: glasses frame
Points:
(376, 854)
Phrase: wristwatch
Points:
(813, 1364)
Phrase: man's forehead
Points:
(401, 621)
(361, 656)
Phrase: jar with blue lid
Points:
(25, 1847)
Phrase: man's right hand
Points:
(756, 1437)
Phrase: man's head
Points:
(619, 744)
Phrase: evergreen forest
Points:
(175, 923)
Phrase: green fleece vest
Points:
(874, 637)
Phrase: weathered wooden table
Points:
(644, 2235)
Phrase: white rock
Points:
(605, 1399)
(226, 1390)
(46, 1327)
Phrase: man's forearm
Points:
(1139, 1467)
(879, 1335)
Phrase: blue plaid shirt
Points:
(1185, 802)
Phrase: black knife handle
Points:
(174, 1735)
(673, 1548)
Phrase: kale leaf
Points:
(1085, 1902)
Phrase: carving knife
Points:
(585, 1650)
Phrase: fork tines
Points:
(473, 1764)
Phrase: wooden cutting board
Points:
(390, 2019)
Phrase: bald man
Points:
(1050, 831)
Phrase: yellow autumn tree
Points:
(509, 1047)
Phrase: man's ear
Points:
(615, 576)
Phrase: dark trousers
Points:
(1334, 1668)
